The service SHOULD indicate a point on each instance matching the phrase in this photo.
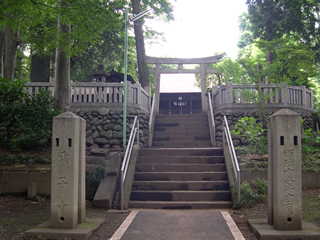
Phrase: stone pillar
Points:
(203, 87)
(284, 171)
(157, 87)
(82, 172)
(65, 176)
(32, 189)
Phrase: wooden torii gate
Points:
(180, 61)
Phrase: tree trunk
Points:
(269, 62)
(11, 53)
(2, 44)
(62, 88)
(141, 53)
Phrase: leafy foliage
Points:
(253, 133)
(246, 35)
(310, 158)
(250, 196)
(37, 23)
(292, 63)
(311, 137)
(227, 70)
(26, 120)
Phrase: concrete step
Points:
(181, 185)
(180, 176)
(181, 159)
(184, 138)
(196, 133)
(221, 195)
(182, 124)
(151, 167)
(189, 128)
(181, 116)
(181, 144)
(180, 204)
(181, 152)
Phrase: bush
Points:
(25, 120)
(248, 130)
(311, 137)
(250, 196)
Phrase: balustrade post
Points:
(284, 93)
(304, 96)
(148, 90)
(139, 94)
(213, 91)
(129, 93)
(229, 92)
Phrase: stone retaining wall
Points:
(234, 116)
(104, 127)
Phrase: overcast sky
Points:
(200, 28)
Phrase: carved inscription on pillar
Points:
(290, 191)
(63, 157)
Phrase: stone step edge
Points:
(181, 204)
(162, 173)
(182, 191)
(182, 164)
(199, 148)
(182, 156)
(177, 181)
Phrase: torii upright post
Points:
(203, 87)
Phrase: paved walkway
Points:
(178, 225)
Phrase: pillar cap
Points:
(66, 115)
(285, 112)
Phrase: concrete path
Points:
(178, 225)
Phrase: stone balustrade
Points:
(276, 96)
(108, 95)
(236, 101)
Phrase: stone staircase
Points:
(181, 131)
(181, 170)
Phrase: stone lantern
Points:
(100, 75)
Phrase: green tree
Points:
(293, 62)
(227, 69)
(36, 23)
(272, 19)
(158, 6)
(246, 35)
(251, 58)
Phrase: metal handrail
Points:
(233, 155)
(213, 125)
(127, 155)
(152, 112)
